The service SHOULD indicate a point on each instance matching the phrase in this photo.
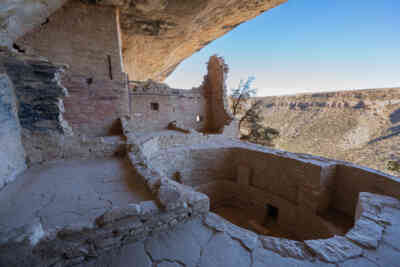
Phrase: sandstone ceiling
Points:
(156, 34)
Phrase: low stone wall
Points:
(119, 226)
(295, 219)
(75, 243)
(175, 203)
(302, 187)
(43, 148)
(305, 182)
(195, 166)
(350, 180)
(365, 238)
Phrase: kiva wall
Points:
(194, 167)
(86, 37)
(299, 189)
(350, 180)
(12, 155)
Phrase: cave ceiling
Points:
(156, 35)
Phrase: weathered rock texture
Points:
(96, 82)
(165, 234)
(39, 92)
(46, 134)
(12, 154)
(19, 17)
(157, 35)
(214, 88)
(303, 188)
(68, 218)
(360, 126)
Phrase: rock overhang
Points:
(157, 32)
(156, 35)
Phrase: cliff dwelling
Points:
(102, 164)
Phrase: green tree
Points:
(248, 111)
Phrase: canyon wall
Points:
(361, 126)
(12, 154)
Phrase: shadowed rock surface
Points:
(67, 192)
(156, 34)
(68, 201)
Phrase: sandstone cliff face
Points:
(359, 126)
(156, 35)
(12, 155)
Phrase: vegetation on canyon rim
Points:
(248, 111)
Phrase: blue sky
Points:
(308, 46)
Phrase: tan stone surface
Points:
(358, 126)
(157, 35)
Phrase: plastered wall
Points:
(86, 38)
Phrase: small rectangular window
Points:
(109, 67)
(272, 214)
(154, 106)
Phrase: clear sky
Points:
(308, 46)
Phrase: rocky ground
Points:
(359, 126)
(213, 241)
(62, 193)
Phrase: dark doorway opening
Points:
(154, 106)
(271, 215)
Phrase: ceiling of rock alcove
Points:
(156, 34)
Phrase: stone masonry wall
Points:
(194, 167)
(155, 105)
(205, 109)
(46, 135)
(350, 180)
(12, 155)
(86, 37)
(215, 91)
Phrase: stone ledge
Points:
(286, 247)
